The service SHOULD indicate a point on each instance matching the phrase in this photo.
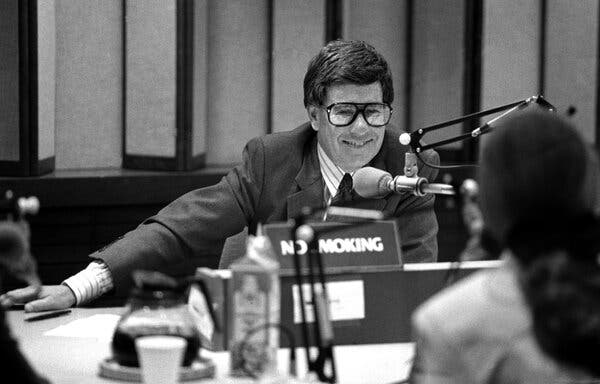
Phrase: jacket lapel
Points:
(309, 183)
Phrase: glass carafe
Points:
(157, 306)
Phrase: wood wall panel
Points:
(151, 74)
(298, 34)
(510, 52)
(88, 83)
(572, 60)
(238, 84)
(383, 25)
(437, 65)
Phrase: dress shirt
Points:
(90, 283)
(332, 176)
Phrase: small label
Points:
(346, 300)
(199, 310)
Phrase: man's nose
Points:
(360, 125)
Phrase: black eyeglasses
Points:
(344, 114)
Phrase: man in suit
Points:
(347, 94)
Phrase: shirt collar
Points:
(332, 174)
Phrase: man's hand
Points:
(48, 298)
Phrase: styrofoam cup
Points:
(160, 358)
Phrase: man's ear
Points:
(313, 115)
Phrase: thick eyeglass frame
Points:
(360, 108)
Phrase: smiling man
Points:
(349, 129)
(347, 93)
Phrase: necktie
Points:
(344, 192)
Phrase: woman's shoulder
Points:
(486, 304)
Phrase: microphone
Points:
(372, 183)
(471, 214)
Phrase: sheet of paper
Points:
(101, 326)
(346, 300)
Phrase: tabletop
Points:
(76, 357)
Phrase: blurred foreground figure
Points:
(16, 261)
(536, 319)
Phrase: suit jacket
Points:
(480, 331)
(279, 175)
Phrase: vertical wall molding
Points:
(270, 63)
(472, 74)
(597, 115)
(185, 82)
(408, 69)
(124, 83)
(542, 57)
(20, 121)
(28, 113)
(334, 15)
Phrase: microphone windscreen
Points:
(371, 183)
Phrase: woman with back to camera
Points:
(535, 319)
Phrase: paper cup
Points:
(160, 358)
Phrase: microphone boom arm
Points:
(416, 136)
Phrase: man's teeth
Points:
(356, 144)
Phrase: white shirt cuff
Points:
(90, 283)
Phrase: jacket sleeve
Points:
(193, 225)
(417, 220)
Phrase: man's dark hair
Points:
(346, 62)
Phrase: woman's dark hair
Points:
(343, 62)
(545, 189)
(560, 279)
